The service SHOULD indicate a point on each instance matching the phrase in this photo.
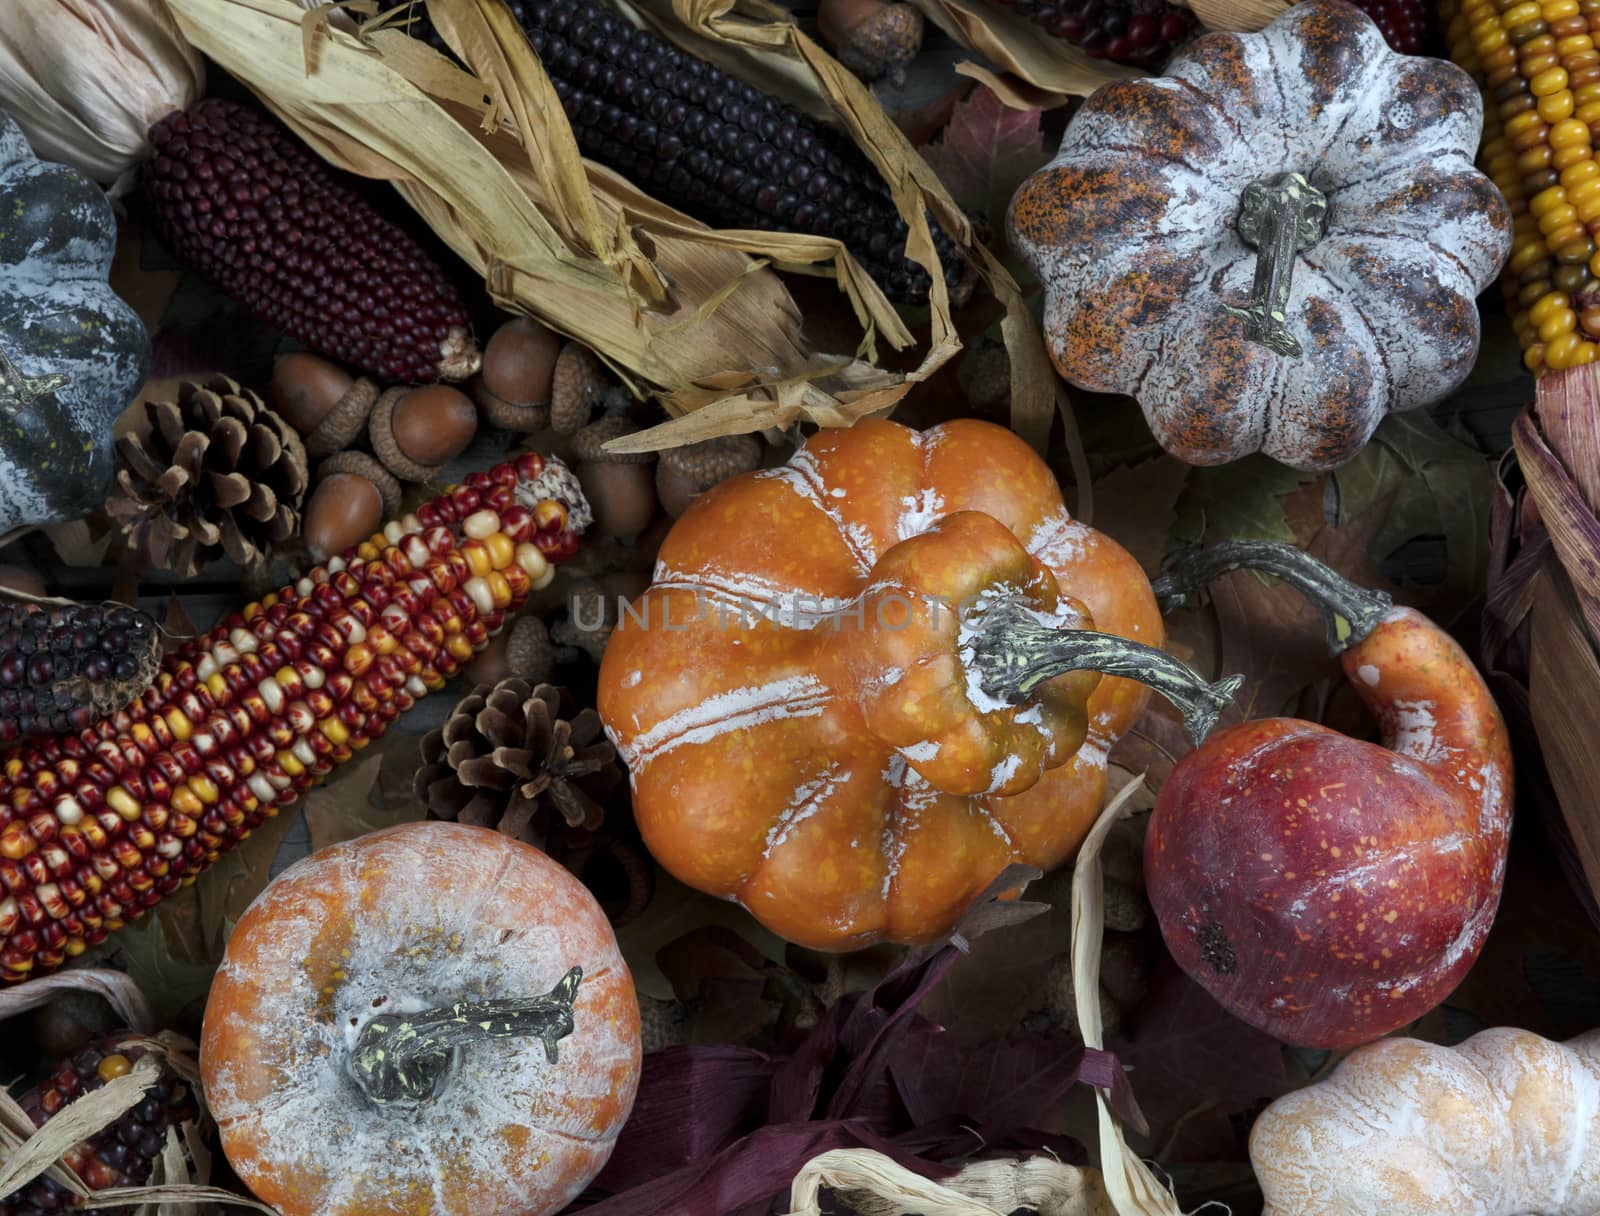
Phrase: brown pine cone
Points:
(217, 471)
(516, 758)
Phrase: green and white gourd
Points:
(72, 353)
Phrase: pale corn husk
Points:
(691, 314)
(1542, 624)
(86, 79)
(871, 1184)
(1039, 71)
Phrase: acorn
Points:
(354, 494)
(320, 400)
(529, 651)
(687, 472)
(417, 431)
(576, 387)
(871, 37)
(513, 390)
(618, 485)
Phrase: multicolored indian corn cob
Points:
(98, 826)
(713, 146)
(1538, 66)
(123, 1154)
(252, 208)
(1141, 32)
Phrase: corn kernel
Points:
(499, 589)
(334, 731)
(1554, 325)
(1553, 108)
(1546, 201)
(501, 550)
(123, 803)
(1560, 351)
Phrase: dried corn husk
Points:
(1039, 71)
(1542, 624)
(692, 314)
(85, 79)
(870, 1184)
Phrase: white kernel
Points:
(304, 587)
(304, 752)
(358, 632)
(478, 588)
(410, 525)
(272, 693)
(533, 563)
(170, 849)
(206, 667)
(204, 742)
(244, 641)
(416, 552)
(224, 653)
(49, 893)
(313, 676)
(9, 916)
(280, 781)
(481, 525)
(545, 579)
(69, 810)
(392, 532)
(416, 687)
(261, 787)
(336, 565)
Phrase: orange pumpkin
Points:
(430, 1019)
(847, 700)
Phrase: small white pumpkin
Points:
(1504, 1124)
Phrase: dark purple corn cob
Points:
(1140, 32)
(63, 668)
(252, 208)
(714, 147)
(124, 1154)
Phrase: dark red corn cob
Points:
(64, 666)
(1140, 32)
(124, 1154)
(252, 208)
(97, 826)
(715, 147)
(1406, 25)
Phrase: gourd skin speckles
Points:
(1352, 885)
(1499, 1125)
(1131, 229)
(759, 773)
(418, 917)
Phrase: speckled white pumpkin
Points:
(72, 354)
(1133, 230)
(1504, 1124)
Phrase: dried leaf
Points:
(1136, 505)
(673, 913)
(986, 152)
(142, 950)
(197, 920)
(352, 802)
(1238, 501)
(1246, 16)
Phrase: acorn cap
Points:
(380, 429)
(713, 460)
(508, 415)
(366, 466)
(340, 426)
(575, 389)
(529, 653)
(589, 443)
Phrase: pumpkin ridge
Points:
(1352, 301)
(1438, 251)
(1222, 111)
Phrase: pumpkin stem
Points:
(1012, 652)
(403, 1057)
(1350, 611)
(1279, 216)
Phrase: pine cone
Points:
(507, 758)
(215, 472)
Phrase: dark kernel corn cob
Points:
(96, 827)
(712, 146)
(64, 666)
(252, 208)
(123, 1154)
(1140, 32)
